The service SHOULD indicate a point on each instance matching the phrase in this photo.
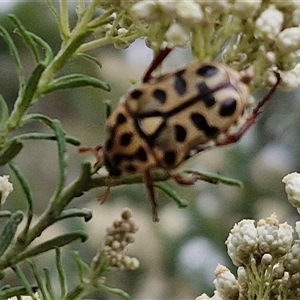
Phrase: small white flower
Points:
(168, 7)
(146, 10)
(189, 12)
(131, 263)
(241, 242)
(5, 188)
(292, 188)
(296, 17)
(266, 259)
(292, 258)
(214, 6)
(290, 4)
(177, 35)
(122, 31)
(290, 79)
(269, 23)
(242, 276)
(246, 9)
(274, 238)
(288, 40)
(297, 228)
(225, 283)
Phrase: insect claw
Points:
(151, 193)
(97, 152)
(103, 197)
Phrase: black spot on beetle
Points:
(203, 90)
(141, 154)
(160, 95)
(169, 157)
(209, 100)
(136, 94)
(180, 83)
(121, 119)
(228, 107)
(200, 122)
(180, 133)
(207, 71)
(109, 144)
(112, 170)
(117, 158)
(125, 139)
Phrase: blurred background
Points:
(178, 255)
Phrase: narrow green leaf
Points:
(9, 230)
(60, 136)
(4, 113)
(54, 11)
(108, 108)
(14, 54)
(76, 212)
(28, 195)
(5, 214)
(61, 273)
(24, 281)
(62, 156)
(31, 87)
(37, 117)
(90, 58)
(8, 154)
(46, 136)
(59, 241)
(215, 178)
(72, 47)
(171, 193)
(75, 80)
(83, 268)
(49, 286)
(45, 46)
(115, 291)
(29, 41)
(10, 292)
(39, 280)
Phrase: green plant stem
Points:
(68, 47)
(46, 219)
(52, 213)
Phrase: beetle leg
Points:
(155, 63)
(151, 193)
(97, 152)
(252, 119)
(103, 197)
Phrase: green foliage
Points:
(16, 246)
(18, 241)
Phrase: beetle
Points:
(167, 119)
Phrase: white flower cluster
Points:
(5, 188)
(118, 237)
(292, 188)
(262, 34)
(267, 258)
